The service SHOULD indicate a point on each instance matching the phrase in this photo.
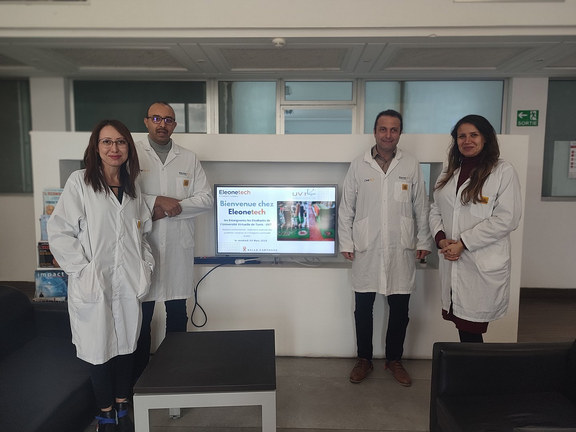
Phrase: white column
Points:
(49, 100)
(543, 220)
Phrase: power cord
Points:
(240, 261)
(196, 304)
(314, 263)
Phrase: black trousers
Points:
(176, 321)
(470, 337)
(397, 324)
(112, 380)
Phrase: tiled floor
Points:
(547, 319)
(314, 394)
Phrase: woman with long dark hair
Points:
(477, 204)
(97, 233)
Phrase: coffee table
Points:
(209, 369)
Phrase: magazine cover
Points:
(45, 257)
(43, 230)
(50, 198)
(51, 285)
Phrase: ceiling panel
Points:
(327, 59)
(6, 61)
(117, 57)
(453, 57)
(568, 61)
(249, 58)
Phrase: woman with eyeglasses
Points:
(477, 204)
(97, 233)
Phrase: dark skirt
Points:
(465, 325)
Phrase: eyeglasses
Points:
(169, 121)
(107, 142)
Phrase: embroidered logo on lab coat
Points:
(484, 200)
(186, 183)
(138, 224)
(404, 186)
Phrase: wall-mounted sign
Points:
(572, 161)
(527, 118)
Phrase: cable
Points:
(240, 261)
(196, 304)
(314, 260)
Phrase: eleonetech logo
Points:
(234, 192)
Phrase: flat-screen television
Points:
(281, 220)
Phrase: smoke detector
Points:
(279, 42)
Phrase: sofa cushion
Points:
(16, 320)
(504, 412)
(44, 387)
(543, 429)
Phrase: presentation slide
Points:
(281, 220)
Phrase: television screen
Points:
(275, 220)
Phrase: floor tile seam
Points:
(346, 378)
(187, 428)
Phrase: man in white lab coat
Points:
(383, 230)
(175, 188)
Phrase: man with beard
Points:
(175, 188)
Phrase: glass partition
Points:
(15, 163)
(318, 91)
(247, 107)
(128, 102)
(434, 106)
(318, 121)
(559, 154)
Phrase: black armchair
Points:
(503, 387)
(44, 387)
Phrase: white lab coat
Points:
(383, 219)
(478, 283)
(172, 239)
(101, 245)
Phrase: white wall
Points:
(49, 104)
(184, 18)
(549, 232)
(18, 239)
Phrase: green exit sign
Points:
(527, 118)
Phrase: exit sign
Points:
(527, 118)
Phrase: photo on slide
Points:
(306, 220)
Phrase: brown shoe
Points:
(360, 370)
(396, 369)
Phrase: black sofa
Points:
(503, 387)
(44, 387)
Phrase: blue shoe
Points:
(106, 421)
(125, 423)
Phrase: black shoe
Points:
(106, 421)
(125, 423)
